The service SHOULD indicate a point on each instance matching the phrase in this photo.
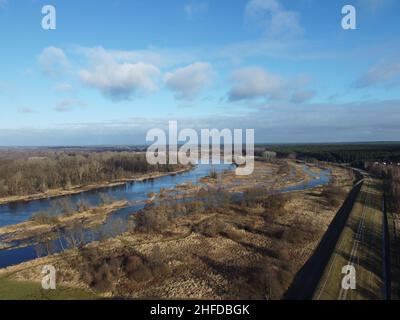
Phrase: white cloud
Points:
(53, 61)
(64, 87)
(374, 5)
(68, 104)
(302, 96)
(25, 110)
(283, 123)
(273, 18)
(119, 79)
(257, 83)
(188, 81)
(159, 57)
(385, 73)
(194, 8)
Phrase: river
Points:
(134, 192)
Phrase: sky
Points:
(114, 69)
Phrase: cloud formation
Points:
(194, 8)
(302, 96)
(386, 73)
(375, 5)
(64, 87)
(187, 82)
(119, 80)
(273, 18)
(53, 61)
(255, 83)
(25, 110)
(355, 121)
(68, 104)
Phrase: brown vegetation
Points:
(393, 186)
(211, 244)
(31, 172)
(333, 195)
(47, 225)
(103, 273)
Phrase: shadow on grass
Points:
(307, 279)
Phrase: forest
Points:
(392, 186)
(25, 172)
(354, 153)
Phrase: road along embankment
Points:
(362, 246)
(307, 279)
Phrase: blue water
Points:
(319, 179)
(135, 192)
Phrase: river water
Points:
(134, 192)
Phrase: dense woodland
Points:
(354, 153)
(24, 172)
(391, 177)
(381, 159)
(394, 189)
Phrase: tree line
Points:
(393, 188)
(354, 153)
(34, 171)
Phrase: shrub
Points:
(82, 205)
(194, 207)
(98, 272)
(213, 174)
(44, 218)
(211, 228)
(136, 269)
(152, 220)
(140, 269)
(301, 231)
(105, 199)
(282, 251)
(233, 234)
(333, 195)
(102, 272)
(263, 281)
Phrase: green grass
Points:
(18, 290)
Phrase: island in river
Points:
(220, 238)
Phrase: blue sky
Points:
(114, 69)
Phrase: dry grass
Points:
(221, 250)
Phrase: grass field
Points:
(360, 245)
(18, 290)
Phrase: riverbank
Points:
(272, 177)
(24, 232)
(79, 189)
(231, 251)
